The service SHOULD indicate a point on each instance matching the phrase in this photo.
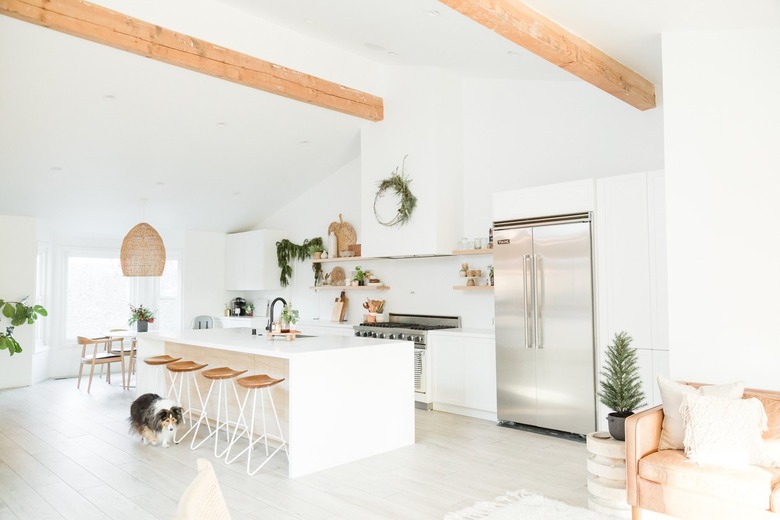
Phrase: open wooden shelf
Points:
(342, 259)
(352, 287)
(472, 252)
(473, 287)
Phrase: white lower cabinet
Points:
(463, 374)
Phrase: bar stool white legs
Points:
(157, 363)
(254, 385)
(221, 376)
(181, 371)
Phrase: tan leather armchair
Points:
(667, 482)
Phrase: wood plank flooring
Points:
(67, 454)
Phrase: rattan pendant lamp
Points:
(143, 252)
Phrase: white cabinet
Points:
(250, 261)
(463, 373)
(631, 272)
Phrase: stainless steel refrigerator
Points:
(544, 323)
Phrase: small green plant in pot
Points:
(621, 386)
(289, 317)
(141, 316)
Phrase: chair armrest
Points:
(643, 432)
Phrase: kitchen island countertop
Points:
(242, 340)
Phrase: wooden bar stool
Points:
(159, 362)
(253, 385)
(181, 371)
(221, 376)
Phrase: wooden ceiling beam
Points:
(522, 25)
(108, 27)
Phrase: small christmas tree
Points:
(621, 387)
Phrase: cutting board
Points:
(339, 308)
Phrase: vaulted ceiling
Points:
(87, 132)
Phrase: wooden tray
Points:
(289, 335)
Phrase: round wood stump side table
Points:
(607, 475)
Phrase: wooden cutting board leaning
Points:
(340, 308)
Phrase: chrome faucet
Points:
(270, 325)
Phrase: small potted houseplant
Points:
(142, 316)
(288, 318)
(316, 250)
(359, 276)
(621, 386)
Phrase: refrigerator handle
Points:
(538, 333)
(528, 344)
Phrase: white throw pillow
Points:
(726, 432)
(672, 394)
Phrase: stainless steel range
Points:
(411, 327)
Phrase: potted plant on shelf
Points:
(359, 276)
(142, 316)
(288, 318)
(316, 250)
(621, 386)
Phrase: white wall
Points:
(721, 118)
(532, 133)
(17, 265)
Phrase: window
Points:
(98, 295)
(168, 301)
(42, 293)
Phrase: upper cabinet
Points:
(250, 261)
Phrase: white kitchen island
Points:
(343, 398)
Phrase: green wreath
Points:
(399, 184)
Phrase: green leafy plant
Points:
(140, 313)
(398, 183)
(20, 314)
(360, 275)
(289, 315)
(286, 252)
(621, 386)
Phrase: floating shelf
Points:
(472, 252)
(352, 287)
(473, 287)
(343, 259)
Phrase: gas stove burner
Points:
(411, 326)
(407, 327)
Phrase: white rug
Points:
(525, 505)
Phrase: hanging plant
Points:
(398, 184)
(286, 252)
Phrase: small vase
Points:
(285, 327)
(142, 326)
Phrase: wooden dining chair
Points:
(100, 354)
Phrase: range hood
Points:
(430, 103)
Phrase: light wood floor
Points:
(67, 454)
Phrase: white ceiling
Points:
(85, 162)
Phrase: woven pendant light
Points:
(143, 252)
